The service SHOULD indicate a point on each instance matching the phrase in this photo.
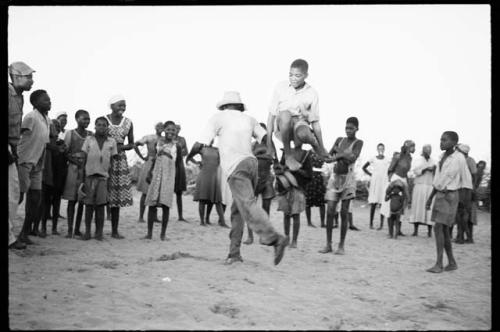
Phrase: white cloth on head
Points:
(58, 114)
(115, 99)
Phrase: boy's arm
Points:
(317, 132)
(429, 200)
(270, 129)
(365, 168)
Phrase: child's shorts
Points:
(292, 202)
(445, 207)
(265, 188)
(96, 190)
(30, 176)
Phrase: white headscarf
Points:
(115, 99)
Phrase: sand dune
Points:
(182, 283)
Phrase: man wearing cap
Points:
(21, 76)
(235, 130)
(465, 197)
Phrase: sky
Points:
(406, 71)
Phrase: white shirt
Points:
(302, 103)
(454, 174)
(234, 131)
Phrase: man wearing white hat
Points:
(21, 76)
(235, 130)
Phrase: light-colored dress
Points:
(378, 180)
(150, 141)
(421, 191)
(120, 182)
(161, 188)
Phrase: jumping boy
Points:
(342, 183)
(142, 186)
(235, 130)
(98, 149)
(265, 178)
(294, 106)
(451, 172)
(74, 177)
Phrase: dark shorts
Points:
(96, 190)
(265, 188)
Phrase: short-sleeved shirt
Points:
(74, 141)
(16, 103)
(286, 98)
(98, 161)
(36, 130)
(453, 174)
(234, 130)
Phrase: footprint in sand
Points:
(225, 308)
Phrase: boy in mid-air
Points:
(294, 109)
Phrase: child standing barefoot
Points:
(292, 200)
(161, 189)
(99, 150)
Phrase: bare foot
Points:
(147, 237)
(293, 244)
(451, 267)
(248, 241)
(162, 237)
(326, 249)
(182, 219)
(292, 163)
(141, 220)
(340, 251)
(311, 225)
(435, 269)
(86, 237)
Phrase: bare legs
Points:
(152, 213)
(205, 218)
(296, 227)
(321, 216)
(115, 219)
(99, 221)
(331, 208)
(443, 243)
(179, 206)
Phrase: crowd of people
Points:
(48, 163)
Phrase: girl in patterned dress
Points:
(120, 183)
(162, 179)
(315, 190)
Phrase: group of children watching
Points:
(293, 117)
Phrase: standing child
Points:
(180, 172)
(74, 141)
(162, 175)
(378, 182)
(396, 195)
(342, 183)
(208, 190)
(294, 108)
(99, 150)
(451, 172)
(292, 199)
(142, 186)
(315, 190)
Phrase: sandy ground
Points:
(182, 283)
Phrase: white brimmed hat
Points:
(230, 97)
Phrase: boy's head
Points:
(170, 129)
(380, 148)
(159, 127)
(101, 126)
(80, 156)
(408, 146)
(62, 117)
(426, 150)
(40, 100)
(351, 126)
(448, 140)
(481, 164)
(298, 73)
(82, 118)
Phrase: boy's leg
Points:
(286, 224)
(373, 206)
(415, 229)
(32, 210)
(322, 214)
(397, 226)
(351, 224)
(70, 214)
(179, 206)
(296, 228)
(164, 221)
(429, 230)
(55, 211)
(115, 219)
(142, 208)
(308, 215)
(285, 124)
(151, 220)
(390, 225)
(108, 212)
(89, 211)
(439, 230)
(304, 135)
(344, 216)
(79, 216)
(381, 222)
(336, 219)
(452, 264)
(330, 211)
(99, 221)
(266, 205)
(235, 234)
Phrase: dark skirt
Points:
(180, 176)
(315, 191)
